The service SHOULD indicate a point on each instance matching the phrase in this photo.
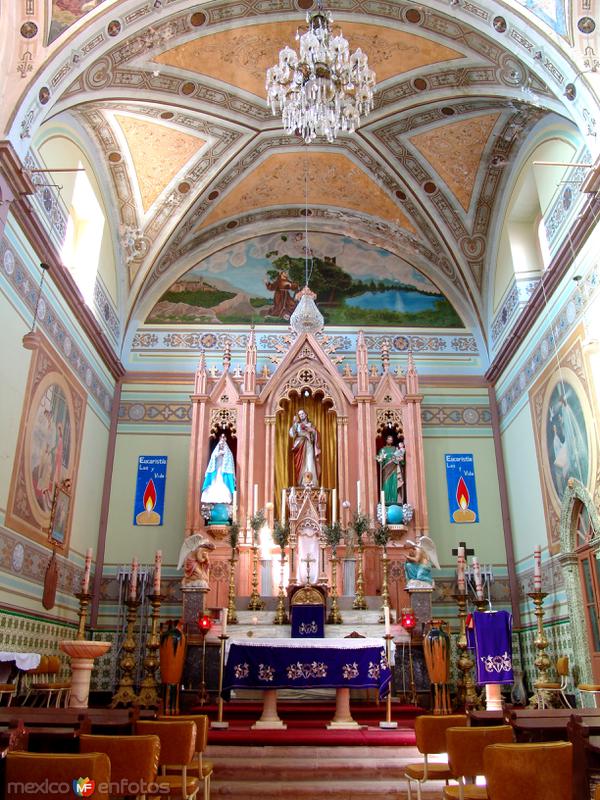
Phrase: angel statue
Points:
(193, 558)
(417, 567)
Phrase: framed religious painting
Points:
(47, 451)
(562, 404)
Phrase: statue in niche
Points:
(193, 558)
(418, 565)
(305, 448)
(219, 478)
(392, 459)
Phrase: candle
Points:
(85, 583)
(460, 570)
(223, 622)
(537, 569)
(157, 567)
(386, 619)
(254, 620)
(282, 515)
(477, 576)
(383, 513)
(234, 509)
(333, 506)
(255, 503)
(133, 579)
(358, 497)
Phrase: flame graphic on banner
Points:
(462, 494)
(149, 495)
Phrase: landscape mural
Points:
(66, 12)
(258, 280)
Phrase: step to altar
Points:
(308, 773)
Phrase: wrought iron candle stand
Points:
(334, 618)
(84, 601)
(149, 694)
(542, 662)
(465, 663)
(125, 694)
(281, 616)
(219, 723)
(231, 612)
(255, 604)
(359, 598)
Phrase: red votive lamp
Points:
(204, 623)
(408, 619)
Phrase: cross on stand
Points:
(469, 551)
(308, 561)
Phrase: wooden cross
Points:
(469, 551)
(308, 560)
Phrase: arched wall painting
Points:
(562, 406)
(257, 281)
(48, 445)
(66, 12)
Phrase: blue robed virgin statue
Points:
(219, 478)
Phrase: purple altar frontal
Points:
(307, 664)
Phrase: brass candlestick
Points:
(387, 723)
(125, 694)
(281, 617)
(465, 663)
(359, 598)
(218, 723)
(385, 595)
(542, 662)
(255, 604)
(149, 695)
(334, 618)
(84, 601)
(231, 612)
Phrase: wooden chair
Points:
(133, 761)
(549, 687)
(44, 684)
(465, 757)
(55, 772)
(430, 734)
(533, 771)
(201, 767)
(177, 749)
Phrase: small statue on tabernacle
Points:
(193, 558)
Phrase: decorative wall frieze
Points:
(144, 412)
(469, 416)
(28, 560)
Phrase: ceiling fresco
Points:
(170, 98)
(256, 281)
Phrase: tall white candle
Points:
(85, 583)
(223, 622)
(234, 509)
(358, 497)
(133, 579)
(383, 511)
(255, 499)
(537, 568)
(386, 619)
(282, 514)
(157, 570)
(477, 576)
(460, 570)
(333, 506)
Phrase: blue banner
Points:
(150, 490)
(462, 494)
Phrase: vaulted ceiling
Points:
(170, 98)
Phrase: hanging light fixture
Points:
(324, 89)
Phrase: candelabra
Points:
(281, 617)
(125, 694)
(148, 697)
(465, 663)
(219, 723)
(385, 595)
(387, 723)
(255, 604)
(359, 598)
(334, 618)
(231, 612)
(542, 662)
(84, 601)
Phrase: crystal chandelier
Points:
(325, 89)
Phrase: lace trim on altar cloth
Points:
(306, 643)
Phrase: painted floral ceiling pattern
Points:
(171, 96)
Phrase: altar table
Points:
(12, 663)
(340, 664)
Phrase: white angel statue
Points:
(193, 558)
(417, 567)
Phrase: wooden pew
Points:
(544, 724)
(584, 734)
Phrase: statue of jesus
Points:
(305, 448)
